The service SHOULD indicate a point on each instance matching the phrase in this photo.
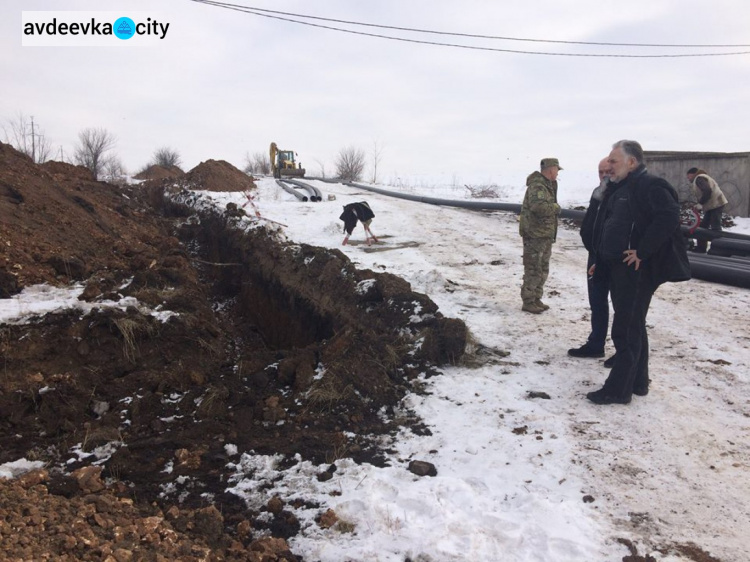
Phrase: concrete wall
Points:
(731, 170)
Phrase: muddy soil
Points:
(268, 346)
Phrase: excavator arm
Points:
(273, 151)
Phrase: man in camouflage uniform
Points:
(539, 230)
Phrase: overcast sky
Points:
(223, 83)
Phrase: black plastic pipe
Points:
(716, 269)
(315, 194)
(729, 247)
(290, 189)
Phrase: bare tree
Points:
(113, 171)
(377, 155)
(258, 163)
(249, 164)
(262, 163)
(166, 157)
(91, 149)
(350, 163)
(27, 137)
(322, 167)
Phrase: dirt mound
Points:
(59, 225)
(217, 175)
(68, 171)
(156, 172)
(201, 334)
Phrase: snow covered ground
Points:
(516, 474)
(524, 478)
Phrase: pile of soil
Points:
(156, 172)
(268, 347)
(217, 175)
(60, 225)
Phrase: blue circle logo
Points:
(124, 28)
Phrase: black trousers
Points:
(711, 220)
(598, 285)
(631, 292)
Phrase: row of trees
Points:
(94, 149)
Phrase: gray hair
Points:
(630, 148)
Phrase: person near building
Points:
(538, 228)
(598, 278)
(711, 201)
(638, 238)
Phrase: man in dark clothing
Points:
(354, 212)
(598, 280)
(637, 237)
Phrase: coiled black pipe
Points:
(315, 194)
(290, 189)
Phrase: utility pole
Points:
(33, 144)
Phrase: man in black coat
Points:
(637, 236)
(598, 280)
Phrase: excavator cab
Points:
(286, 160)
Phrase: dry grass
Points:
(327, 393)
(340, 449)
(212, 401)
(130, 328)
(344, 526)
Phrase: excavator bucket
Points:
(292, 172)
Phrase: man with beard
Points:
(638, 238)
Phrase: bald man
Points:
(598, 280)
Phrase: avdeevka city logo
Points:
(92, 28)
(124, 28)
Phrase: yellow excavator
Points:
(283, 164)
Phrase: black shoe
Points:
(640, 391)
(585, 351)
(609, 363)
(602, 397)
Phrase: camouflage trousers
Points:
(536, 254)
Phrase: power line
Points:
(268, 14)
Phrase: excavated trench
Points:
(283, 316)
(297, 296)
(344, 342)
(272, 348)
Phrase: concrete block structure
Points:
(731, 170)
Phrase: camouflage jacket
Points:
(540, 209)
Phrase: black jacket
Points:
(587, 225)
(353, 212)
(655, 232)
